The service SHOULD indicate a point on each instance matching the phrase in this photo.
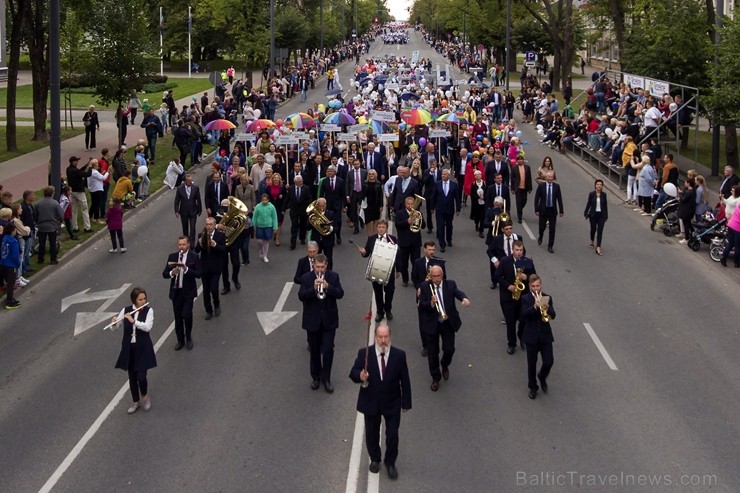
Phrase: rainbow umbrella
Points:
(378, 127)
(451, 118)
(259, 125)
(219, 124)
(298, 121)
(416, 116)
(363, 119)
(339, 118)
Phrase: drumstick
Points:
(359, 248)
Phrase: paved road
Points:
(237, 414)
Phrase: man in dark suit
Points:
(231, 254)
(374, 160)
(548, 203)
(521, 185)
(296, 172)
(212, 248)
(409, 242)
(356, 177)
(419, 272)
(332, 189)
(405, 186)
(445, 204)
(729, 180)
(537, 334)
(437, 297)
(506, 274)
(299, 198)
(429, 178)
(342, 168)
(385, 391)
(498, 189)
(182, 269)
(326, 243)
(498, 165)
(320, 318)
(500, 247)
(188, 206)
(305, 264)
(383, 293)
(216, 191)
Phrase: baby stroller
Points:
(666, 218)
(706, 230)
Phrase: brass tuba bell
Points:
(416, 218)
(234, 220)
(318, 219)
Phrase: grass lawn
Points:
(704, 143)
(183, 87)
(25, 144)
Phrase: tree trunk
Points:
(38, 51)
(618, 20)
(15, 12)
(731, 146)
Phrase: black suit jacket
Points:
(387, 395)
(185, 206)
(505, 194)
(406, 238)
(318, 312)
(334, 199)
(189, 285)
(491, 171)
(212, 200)
(505, 275)
(398, 195)
(496, 247)
(514, 173)
(429, 315)
(349, 184)
(445, 205)
(419, 270)
(540, 198)
(304, 267)
(378, 163)
(726, 189)
(591, 205)
(212, 258)
(298, 206)
(428, 180)
(535, 330)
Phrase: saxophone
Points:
(518, 284)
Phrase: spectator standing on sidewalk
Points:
(133, 105)
(92, 125)
(49, 215)
(153, 128)
(96, 185)
(10, 261)
(114, 218)
(28, 216)
(76, 179)
(65, 204)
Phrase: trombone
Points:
(438, 304)
(500, 218)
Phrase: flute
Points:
(132, 312)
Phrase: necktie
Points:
(298, 193)
(382, 365)
(498, 190)
(445, 188)
(218, 189)
(370, 166)
(187, 191)
(332, 184)
(549, 195)
(358, 185)
(508, 245)
(179, 276)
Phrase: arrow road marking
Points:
(600, 347)
(85, 297)
(277, 317)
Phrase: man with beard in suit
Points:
(188, 206)
(299, 198)
(212, 247)
(440, 318)
(498, 189)
(385, 392)
(182, 269)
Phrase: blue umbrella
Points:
(409, 96)
(381, 79)
(333, 92)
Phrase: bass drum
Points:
(381, 264)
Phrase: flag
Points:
(190, 21)
(161, 22)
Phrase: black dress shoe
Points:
(355, 231)
(532, 394)
(449, 244)
(424, 352)
(209, 316)
(389, 316)
(405, 284)
(429, 231)
(339, 241)
(179, 346)
(378, 317)
(519, 221)
(480, 235)
(189, 344)
(539, 241)
(723, 261)
(217, 312)
(88, 230)
(543, 385)
(511, 349)
(314, 385)
(445, 373)
(442, 249)
(549, 249)
(292, 247)
(237, 285)
(225, 290)
(435, 386)
(392, 473)
(328, 387)
(374, 467)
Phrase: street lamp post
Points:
(720, 11)
(508, 42)
(272, 39)
(55, 137)
(321, 27)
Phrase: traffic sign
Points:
(530, 58)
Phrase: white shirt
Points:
(652, 117)
(146, 325)
(378, 352)
(598, 203)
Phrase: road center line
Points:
(529, 231)
(90, 433)
(600, 346)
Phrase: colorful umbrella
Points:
(219, 124)
(259, 125)
(298, 121)
(339, 118)
(451, 118)
(417, 116)
(378, 127)
(333, 92)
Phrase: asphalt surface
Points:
(236, 414)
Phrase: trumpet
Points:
(542, 307)
(518, 284)
(320, 293)
(437, 304)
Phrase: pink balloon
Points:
(279, 123)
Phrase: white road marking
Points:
(90, 433)
(529, 231)
(600, 347)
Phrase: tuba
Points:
(318, 219)
(500, 218)
(416, 218)
(234, 220)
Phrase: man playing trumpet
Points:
(537, 311)
(440, 319)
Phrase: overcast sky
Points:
(398, 8)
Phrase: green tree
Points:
(15, 10)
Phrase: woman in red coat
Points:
(475, 164)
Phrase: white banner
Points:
(330, 127)
(283, 140)
(657, 87)
(361, 127)
(388, 138)
(350, 137)
(383, 116)
(435, 134)
(245, 137)
(414, 57)
(393, 86)
(299, 134)
(634, 81)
